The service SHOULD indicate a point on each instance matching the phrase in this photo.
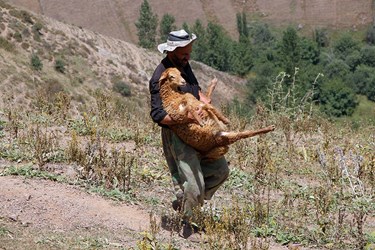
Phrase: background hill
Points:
(116, 18)
(91, 61)
(81, 164)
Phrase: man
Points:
(194, 178)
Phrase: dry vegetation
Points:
(310, 183)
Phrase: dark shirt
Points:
(157, 111)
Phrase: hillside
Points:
(91, 60)
(116, 18)
(82, 165)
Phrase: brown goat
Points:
(208, 135)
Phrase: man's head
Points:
(178, 47)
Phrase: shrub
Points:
(370, 36)
(36, 63)
(60, 65)
(337, 99)
(122, 88)
(6, 45)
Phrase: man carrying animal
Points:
(194, 178)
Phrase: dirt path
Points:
(47, 206)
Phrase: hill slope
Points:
(91, 60)
(116, 18)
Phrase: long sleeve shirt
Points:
(157, 111)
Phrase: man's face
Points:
(181, 56)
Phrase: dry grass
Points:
(311, 182)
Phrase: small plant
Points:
(36, 63)
(122, 88)
(60, 66)
(6, 45)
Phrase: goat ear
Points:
(163, 78)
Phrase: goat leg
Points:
(227, 138)
(216, 113)
(195, 114)
(211, 87)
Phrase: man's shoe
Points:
(188, 232)
(177, 202)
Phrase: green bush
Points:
(337, 99)
(36, 63)
(60, 66)
(122, 88)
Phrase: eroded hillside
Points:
(91, 61)
(116, 18)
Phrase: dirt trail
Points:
(57, 207)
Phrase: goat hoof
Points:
(272, 127)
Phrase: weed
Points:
(36, 63)
(44, 146)
(30, 172)
(122, 88)
(6, 45)
(60, 65)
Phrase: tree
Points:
(290, 50)
(368, 55)
(242, 28)
(321, 37)
(309, 51)
(218, 47)
(261, 34)
(166, 26)
(370, 35)
(241, 57)
(344, 46)
(200, 45)
(362, 81)
(185, 26)
(146, 25)
(337, 69)
(336, 99)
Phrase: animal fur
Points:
(208, 136)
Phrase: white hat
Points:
(179, 38)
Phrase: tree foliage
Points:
(147, 24)
(337, 99)
(166, 26)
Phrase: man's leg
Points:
(215, 173)
(190, 176)
(166, 135)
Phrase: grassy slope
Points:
(285, 187)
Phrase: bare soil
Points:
(40, 208)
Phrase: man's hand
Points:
(203, 98)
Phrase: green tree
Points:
(185, 26)
(166, 26)
(321, 37)
(241, 57)
(290, 50)
(242, 27)
(344, 46)
(368, 55)
(200, 45)
(370, 35)
(337, 99)
(218, 47)
(362, 81)
(309, 51)
(261, 34)
(146, 25)
(337, 69)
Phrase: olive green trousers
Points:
(194, 179)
